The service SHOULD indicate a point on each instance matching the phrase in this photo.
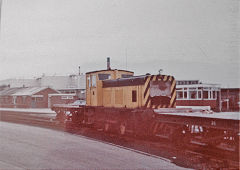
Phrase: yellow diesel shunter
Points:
(120, 89)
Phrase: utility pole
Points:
(126, 57)
(0, 15)
(159, 71)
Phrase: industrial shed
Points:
(6, 99)
(26, 97)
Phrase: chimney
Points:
(108, 63)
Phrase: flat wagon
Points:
(145, 106)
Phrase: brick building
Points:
(26, 97)
(230, 98)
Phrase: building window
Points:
(24, 99)
(39, 99)
(14, 99)
(134, 96)
(185, 95)
(179, 94)
(193, 94)
(192, 88)
(66, 97)
(205, 94)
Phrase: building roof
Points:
(9, 91)
(198, 85)
(28, 91)
(19, 82)
(55, 82)
(22, 91)
(194, 83)
(62, 94)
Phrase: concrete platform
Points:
(26, 147)
(27, 110)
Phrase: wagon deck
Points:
(221, 115)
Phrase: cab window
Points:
(126, 75)
(134, 96)
(104, 76)
(93, 80)
(88, 81)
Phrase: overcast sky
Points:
(189, 39)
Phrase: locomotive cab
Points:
(94, 79)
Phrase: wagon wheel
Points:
(122, 128)
(236, 141)
(106, 127)
(61, 116)
(180, 139)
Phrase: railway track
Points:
(190, 156)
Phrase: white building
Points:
(74, 84)
(19, 83)
(195, 93)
